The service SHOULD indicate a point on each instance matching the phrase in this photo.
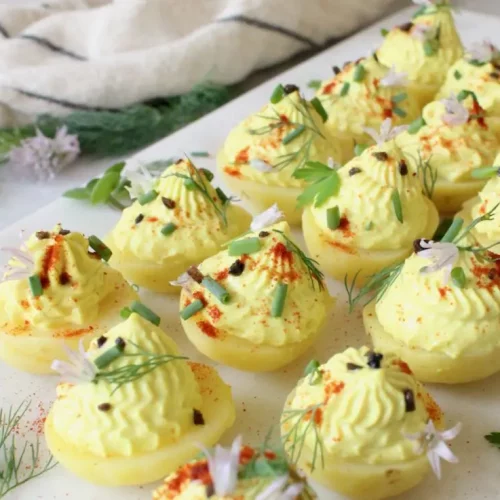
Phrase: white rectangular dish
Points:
(259, 397)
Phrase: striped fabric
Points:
(66, 55)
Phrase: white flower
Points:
(386, 133)
(483, 52)
(442, 255)
(275, 490)
(268, 217)
(140, 177)
(78, 369)
(42, 158)
(332, 163)
(261, 165)
(432, 441)
(182, 280)
(423, 32)
(394, 79)
(223, 467)
(456, 113)
(426, 3)
(20, 264)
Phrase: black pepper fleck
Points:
(168, 202)
(381, 156)
(237, 268)
(495, 75)
(354, 171)
(375, 56)
(42, 235)
(417, 245)
(353, 366)
(139, 218)
(120, 342)
(336, 70)
(374, 359)
(403, 167)
(492, 274)
(64, 232)
(195, 273)
(406, 27)
(409, 400)
(64, 278)
(198, 417)
(290, 88)
(104, 407)
(210, 490)
(101, 341)
(263, 234)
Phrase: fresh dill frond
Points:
(312, 265)
(428, 175)
(485, 217)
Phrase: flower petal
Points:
(261, 165)
(276, 486)
(452, 433)
(270, 216)
(435, 462)
(443, 451)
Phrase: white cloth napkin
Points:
(66, 55)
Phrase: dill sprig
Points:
(199, 183)
(295, 438)
(18, 464)
(130, 372)
(374, 288)
(312, 265)
(485, 217)
(428, 175)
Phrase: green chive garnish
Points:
(209, 175)
(200, 154)
(314, 84)
(222, 196)
(244, 246)
(399, 97)
(369, 226)
(384, 32)
(458, 277)
(192, 309)
(345, 89)
(216, 289)
(293, 134)
(279, 300)
(100, 248)
(109, 356)
(453, 230)
(416, 125)
(189, 184)
(463, 94)
(457, 75)
(359, 73)
(333, 217)
(396, 203)
(484, 172)
(312, 369)
(145, 312)
(359, 148)
(168, 229)
(104, 187)
(278, 93)
(125, 312)
(35, 285)
(316, 104)
(429, 49)
(400, 112)
(147, 197)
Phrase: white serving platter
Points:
(259, 397)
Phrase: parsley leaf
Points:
(493, 438)
(325, 182)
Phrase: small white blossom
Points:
(141, 179)
(386, 133)
(261, 165)
(432, 441)
(482, 52)
(275, 490)
(423, 32)
(333, 164)
(394, 79)
(182, 280)
(456, 113)
(20, 264)
(223, 467)
(78, 368)
(442, 255)
(42, 158)
(268, 217)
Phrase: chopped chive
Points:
(399, 97)
(125, 312)
(384, 32)
(475, 62)
(416, 125)
(458, 277)
(359, 73)
(192, 309)
(333, 217)
(222, 196)
(453, 230)
(35, 285)
(279, 300)
(429, 49)
(109, 356)
(484, 172)
(463, 94)
(316, 104)
(168, 229)
(400, 112)
(457, 75)
(345, 89)
(100, 248)
(314, 84)
(145, 312)
(200, 154)
(147, 197)
(104, 187)
(396, 203)
(369, 226)
(312, 369)
(244, 246)
(293, 134)
(189, 184)
(216, 289)
(278, 94)
(209, 175)
(359, 148)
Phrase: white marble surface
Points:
(19, 200)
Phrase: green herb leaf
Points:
(35, 285)
(78, 193)
(325, 183)
(485, 172)
(396, 203)
(104, 187)
(345, 89)
(457, 74)
(399, 97)
(399, 112)
(278, 94)
(493, 438)
(359, 73)
(314, 84)
(416, 125)
(333, 217)
(316, 104)
(458, 277)
(312, 370)
(116, 168)
(279, 298)
(384, 32)
(299, 129)
(453, 230)
(144, 311)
